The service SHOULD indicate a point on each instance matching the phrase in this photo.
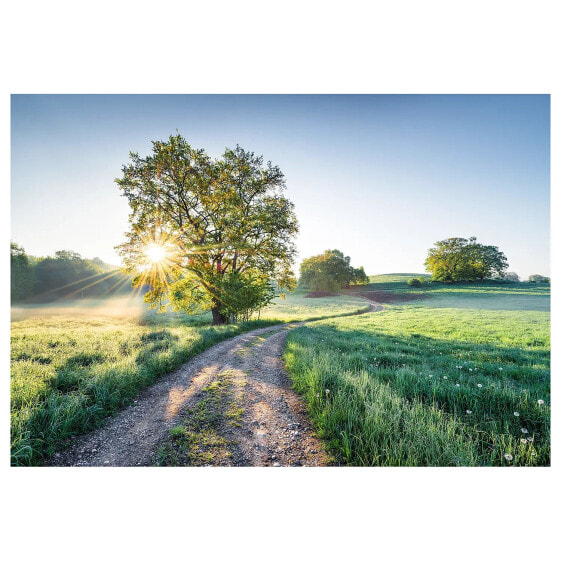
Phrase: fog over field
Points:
(128, 307)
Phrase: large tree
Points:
(204, 232)
(461, 259)
(330, 271)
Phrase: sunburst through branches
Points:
(159, 259)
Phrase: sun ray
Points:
(108, 276)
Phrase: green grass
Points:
(382, 388)
(197, 441)
(491, 295)
(296, 307)
(73, 366)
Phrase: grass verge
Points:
(428, 386)
(67, 381)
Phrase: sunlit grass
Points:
(433, 382)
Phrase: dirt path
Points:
(231, 405)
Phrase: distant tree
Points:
(358, 276)
(461, 259)
(216, 225)
(97, 262)
(414, 282)
(330, 271)
(538, 278)
(511, 277)
(21, 273)
(68, 255)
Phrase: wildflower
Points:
(530, 439)
(508, 457)
(541, 401)
(516, 414)
(470, 370)
(524, 431)
(326, 391)
(446, 377)
(430, 375)
(317, 394)
(479, 385)
(533, 452)
(523, 440)
(500, 368)
(469, 412)
(457, 385)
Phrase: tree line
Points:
(65, 275)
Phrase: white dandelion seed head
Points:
(470, 370)
(530, 439)
(541, 401)
(445, 377)
(479, 385)
(326, 391)
(468, 412)
(508, 457)
(516, 414)
(500, 368)
(457, 385)
(524, 431)
(523, 440)
(430, 375)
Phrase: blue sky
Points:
(380, 177)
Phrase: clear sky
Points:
(380, 177)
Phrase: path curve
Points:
(272, 428)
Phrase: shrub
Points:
(414, 282)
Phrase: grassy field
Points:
(461, 377)
(74, 365)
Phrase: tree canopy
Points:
(538, 278)
(461, 259)
(22, 277)
(222, 229)
(330, 271)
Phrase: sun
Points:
(155, 253)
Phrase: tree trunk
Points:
(217, 317)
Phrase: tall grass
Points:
(429, 385)
(72, 367)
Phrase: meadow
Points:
(458, 378)
(73, 364)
